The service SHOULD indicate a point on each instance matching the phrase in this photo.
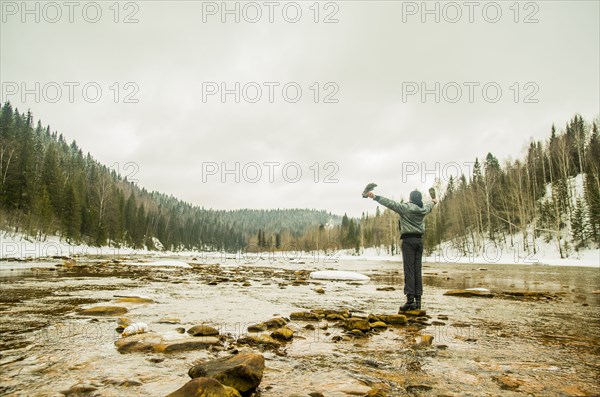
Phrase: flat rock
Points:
(394, 319)
(204, 387)
(104, 311)
(134, 299)
(169, 320)
(203, 330)
(154, 343)
(243, 371)
(470, 292)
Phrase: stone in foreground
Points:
(243, 371)
(204, 387)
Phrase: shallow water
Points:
(548, 346)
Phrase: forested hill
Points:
(551, 195)
(49, 187)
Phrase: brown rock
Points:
(394, 319)
(304, 316)
(204, 387)
(203, 330)
(360, 324)
(283, 333)
(243, 371)
(276, 322)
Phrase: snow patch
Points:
(338, 275)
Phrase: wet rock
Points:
(327, 312)
(264, 341)
(204, 387)
(181, 330)
(203, 330)
(379, 325)
(135, 328)
(320, 291)
(275, 322)
(426, 340)
(316, 394)
(309, 327)
(103, 311)
(335, 317)
(257, 327)
(246, 284)
(470, 292)
(283, 333)
(154, 343)
(304, 316)
(243, 371)
(169, 320)
(186, 344)
(394, 319)
(360, 324)
(357, 333)
(386, 289)
(415, 313)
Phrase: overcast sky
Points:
(352, 111)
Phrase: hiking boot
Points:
(418, 301)
(409, 305)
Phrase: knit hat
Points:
(416, 198)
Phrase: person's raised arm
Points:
(386, 202)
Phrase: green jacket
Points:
(411, 215)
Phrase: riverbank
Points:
(545, 342)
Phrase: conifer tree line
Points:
(553, 192)
(49, 187)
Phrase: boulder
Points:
(104, 311)
(243, 371)
(203, 330)
(204, 387)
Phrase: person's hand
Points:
(371, 195)
(435, 201)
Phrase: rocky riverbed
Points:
(104, 327)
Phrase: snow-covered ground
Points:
(18, 246)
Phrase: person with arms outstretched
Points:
(412, 227)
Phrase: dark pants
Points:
(412, 255)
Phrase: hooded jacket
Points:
(411, 215)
